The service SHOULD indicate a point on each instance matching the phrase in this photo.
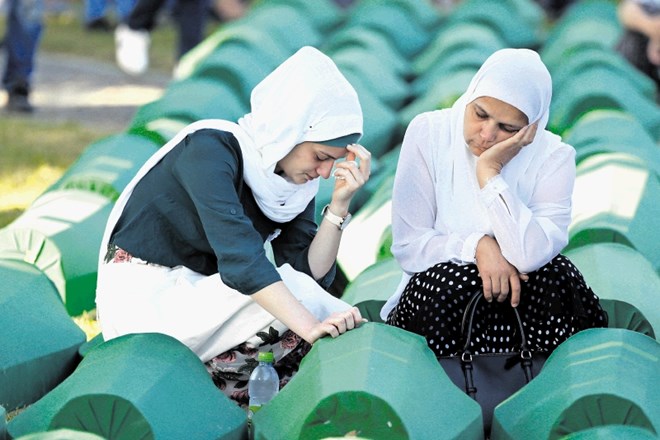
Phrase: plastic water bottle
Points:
(264, 384)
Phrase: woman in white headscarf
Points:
(482, 202)
(214, 241)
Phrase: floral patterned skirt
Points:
(231, 370)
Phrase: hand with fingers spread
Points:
(337, 324)
(500, 278)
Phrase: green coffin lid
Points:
(621, 314)
(71, 221)
(616, 199)
(596, 377)
(619, 272)
(61, 434)
(376, 381)
(152, 380)
(39, 341)
(612, 131)
(377, 282)
(612, 432)
(363, 237)
(106, 166)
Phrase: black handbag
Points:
(490, 378)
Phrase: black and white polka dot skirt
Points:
(554, 304)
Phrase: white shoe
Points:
(132, 49)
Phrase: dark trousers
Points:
(189, 16)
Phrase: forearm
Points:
(278, 300)
(324, 246)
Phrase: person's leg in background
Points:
(132, 38)
(123, 9)
(190, 18)
(24, 26)
(94, 16)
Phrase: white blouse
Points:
(439, 213)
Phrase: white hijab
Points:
(306, 98)
(519, 78)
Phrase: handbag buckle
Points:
(466, 357)
(525, 354)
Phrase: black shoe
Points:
(17, 102)
(100, 24)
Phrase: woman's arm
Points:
(531, 234)
(418, 241)
(351, 176)
(526, 236)
(280, 302)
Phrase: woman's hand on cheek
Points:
(351, 174)
(492, 160)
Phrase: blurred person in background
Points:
(21, 40)
(640, 43)
(95, 14)
(133, 37)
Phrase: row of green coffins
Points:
(374, 382)
(59, 234)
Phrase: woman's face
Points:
(309, 160)
(489, 121)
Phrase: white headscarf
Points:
(306, 98)
(519, 78)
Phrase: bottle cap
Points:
(266, 356)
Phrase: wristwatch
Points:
(340, 222)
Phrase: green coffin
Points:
(618, 272)
(363, 238)
(377, 282)
(358, 64)
(62, 434)
(187, 101)
(70, 224)
(151, 380)
(39, 341)
(616, 198)
(612, 432)
(584, 24)
(597, 377)
(106, 166)
(612, 131)
(395, 22)
(601, 88)
(377, 382)
(621, 314)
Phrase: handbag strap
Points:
(468, 320)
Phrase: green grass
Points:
(34, 155)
